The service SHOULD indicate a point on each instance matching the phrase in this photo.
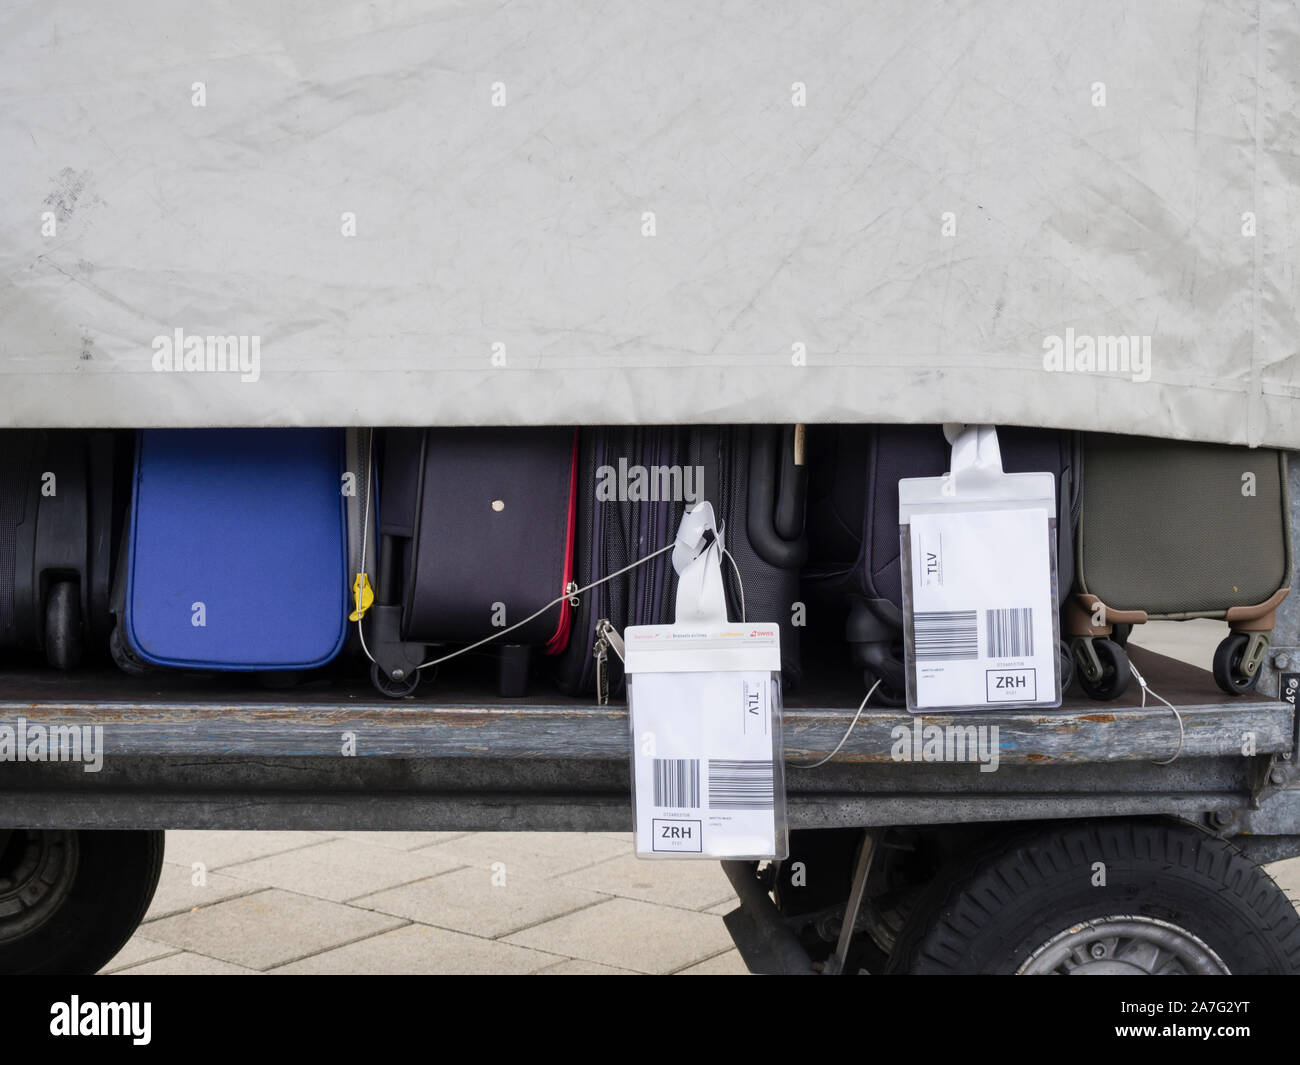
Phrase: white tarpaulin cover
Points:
(567, 211)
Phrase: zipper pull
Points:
(602, 676)
(601, 653)
(610, 637)
(571, 590)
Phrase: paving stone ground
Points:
(403, 902)
(435, 902)
(446, 902)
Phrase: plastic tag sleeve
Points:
(708, 775)
(980, 596)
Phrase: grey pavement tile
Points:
(269, 928)
(1192, 641)
(577, 967)
(1287, 875)
(184, 963)
(341, 869)
(693, 885)
(630, 934)
(542, 854)
(468, 901)
(724, 908)
(178, 893)
(137, 951)
(418, 949)
(218, 849)
(401, 841)
(728, 963)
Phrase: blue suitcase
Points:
(236, 553)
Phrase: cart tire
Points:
(69, 900)
(1124, 897)
(1115, 672)
(63, 625)
(1227, 665)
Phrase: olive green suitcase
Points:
(1171, 530)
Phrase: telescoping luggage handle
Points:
(778, 487)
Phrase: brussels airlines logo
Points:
(179, 353)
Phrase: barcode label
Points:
(1010, 633)
(677, 783)
(946, 634)
(736, 785)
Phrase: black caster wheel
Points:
(885, 694)
(394, 689)
(1115, 674)
(1067, 666)
(1228, 674)
(127, 660)
(63, 625)
(1121, 633)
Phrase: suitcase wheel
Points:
(394, 688)
(1067, 666)
(63, 625)
(1102, 668)
(886, 694)
(1233, 658)
(512, 675)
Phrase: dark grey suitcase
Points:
(756, 478)
(612, 533)
(854, 565)
(755, 481)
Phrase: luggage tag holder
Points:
(704, 708)
(700, 594)
(980, 597)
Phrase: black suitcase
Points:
(853, 531)
(57, 518)
(476, 534)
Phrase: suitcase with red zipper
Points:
(476, 535)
